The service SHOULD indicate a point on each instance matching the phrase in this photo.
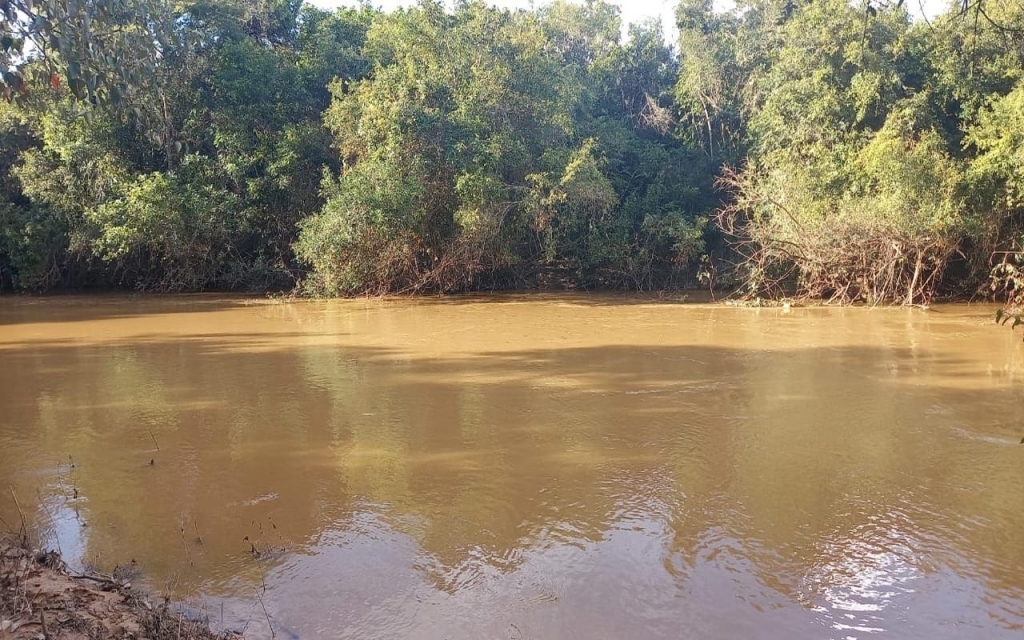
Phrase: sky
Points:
(632, 10)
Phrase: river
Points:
(527, 466)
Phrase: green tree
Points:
(850, 191)
(497, 148)
(102, 50)
(199, 185)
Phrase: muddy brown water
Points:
(528, 467)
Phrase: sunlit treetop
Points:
(99, 49)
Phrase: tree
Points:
(491, 148)
(198, 185)
(248, 144)
(102, 50)
(850, 189)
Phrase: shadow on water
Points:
(574, 298)
(603, 486)
(25, 309)
(21, 309)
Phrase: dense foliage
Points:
(789, 147)
(876, 158)
(486, 147)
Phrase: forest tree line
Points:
(819, 148)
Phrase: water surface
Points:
(528, 467)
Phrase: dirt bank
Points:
(41, 599)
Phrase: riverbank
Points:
(40, 598)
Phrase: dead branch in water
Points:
(24, 526)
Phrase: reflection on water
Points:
(528, 467)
